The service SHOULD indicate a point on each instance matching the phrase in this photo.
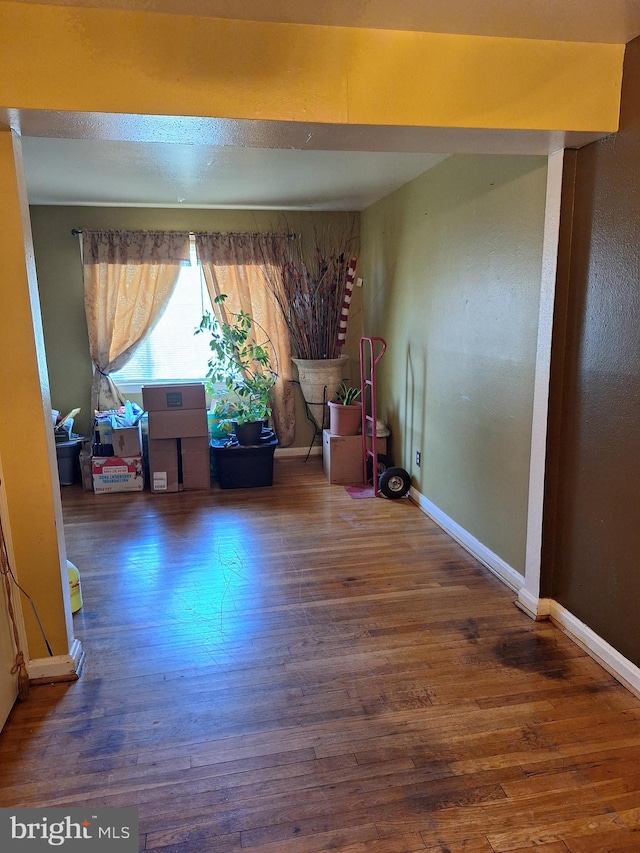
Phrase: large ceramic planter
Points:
(344, 420)
(319, 380)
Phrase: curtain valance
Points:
(222, 249)
(135, 247)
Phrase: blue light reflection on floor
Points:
(200, 603)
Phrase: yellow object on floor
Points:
(74, 587)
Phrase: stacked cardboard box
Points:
(342, 457)
(178, 437)
(127, 441)
(124, 471)
(117, 474)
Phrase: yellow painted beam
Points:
(465, 81)
(26, 437)
(105, 60)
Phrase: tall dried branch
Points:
(309, 283)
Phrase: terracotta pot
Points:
(345, 420)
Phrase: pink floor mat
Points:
(357, 492)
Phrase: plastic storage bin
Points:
(244, 467)
(68, 455)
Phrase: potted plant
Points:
(244, 367)
(312, 285)
(345, 411)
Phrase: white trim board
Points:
(298, 451)
(57, 667)
(539, 420)
(506, 573)
(622, 669)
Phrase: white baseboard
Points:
(298, 451)
(57, 667)
(506, 573)
(537, 608)
(622, 669)
(626, 672)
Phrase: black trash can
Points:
(68, 454)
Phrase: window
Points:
(172, 352)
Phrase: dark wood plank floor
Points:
(290, 669)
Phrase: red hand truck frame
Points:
(371, 351)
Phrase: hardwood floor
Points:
(290, 669)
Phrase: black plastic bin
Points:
(68, 456)
(244, 467)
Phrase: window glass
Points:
(172, 352)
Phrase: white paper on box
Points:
(159, 481)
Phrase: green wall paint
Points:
(59, 273)
(451, 265)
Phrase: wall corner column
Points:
(529, 597)
(30, 481)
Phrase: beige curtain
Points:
(238, 265)
(128, 279)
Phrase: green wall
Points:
(452, 265)
(59, 272)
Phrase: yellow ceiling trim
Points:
(105, 60)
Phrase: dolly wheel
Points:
(394, 483)
(382, 465)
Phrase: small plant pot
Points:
(249, 433)
(345, 420)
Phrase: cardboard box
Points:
(187, 423)
(127, 441)
(178, 437)
(117, 474)
(86, 470)
(381, 444)
(196, 467)
(342, 458)
(163, 465)
(179, 464)
(163, 398)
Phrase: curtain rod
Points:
(75, 232)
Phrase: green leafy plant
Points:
(346, 394)
(240, 363)
(223, 410)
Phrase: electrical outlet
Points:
(418, 458)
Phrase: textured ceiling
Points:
(78, 171)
